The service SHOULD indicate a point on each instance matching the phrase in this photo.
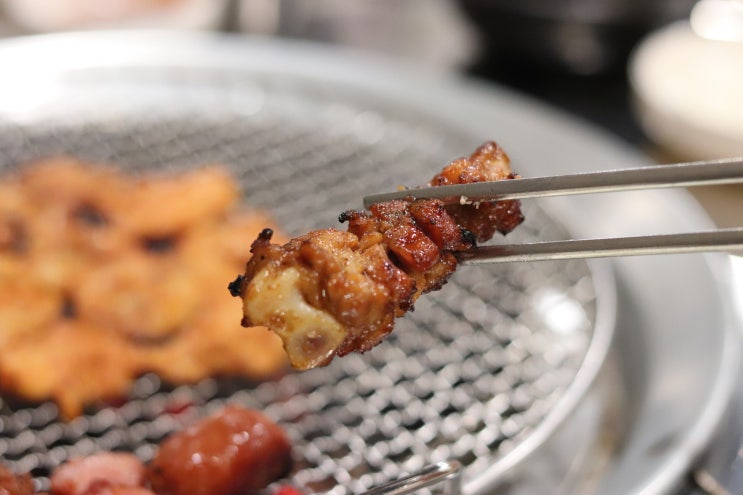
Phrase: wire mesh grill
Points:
(468, 375)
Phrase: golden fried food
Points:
(15, 209)
(125, 275)
(27, 307)
(139, 296)
(213, 343)
(72, 362)
(328, 293)
(76, 207)
(167, 205)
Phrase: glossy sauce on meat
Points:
(234, 452)
(329, 292)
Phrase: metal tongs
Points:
(714, 172)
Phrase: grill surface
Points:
(468, 375)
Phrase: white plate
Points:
(687, 91)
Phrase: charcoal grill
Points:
(549, 377)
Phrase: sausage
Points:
(236, 451)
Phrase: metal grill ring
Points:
(468, 375)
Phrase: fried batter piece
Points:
(328, 293)
(74, 363)
(105, 276)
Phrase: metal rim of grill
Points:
(470, 374)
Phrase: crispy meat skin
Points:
(324, 294)
(330, 292)
(488, 163)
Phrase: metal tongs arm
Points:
(716, 172)
(446, 473)
(695, 242)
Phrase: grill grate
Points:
(468, 375)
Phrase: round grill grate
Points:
(468, 375)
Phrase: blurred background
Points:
(662, 75)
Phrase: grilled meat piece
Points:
(330, 292)
(15, 484)
(323, 293)
(114, 473)
(234, 452)
(124, 274)
(488, 163)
